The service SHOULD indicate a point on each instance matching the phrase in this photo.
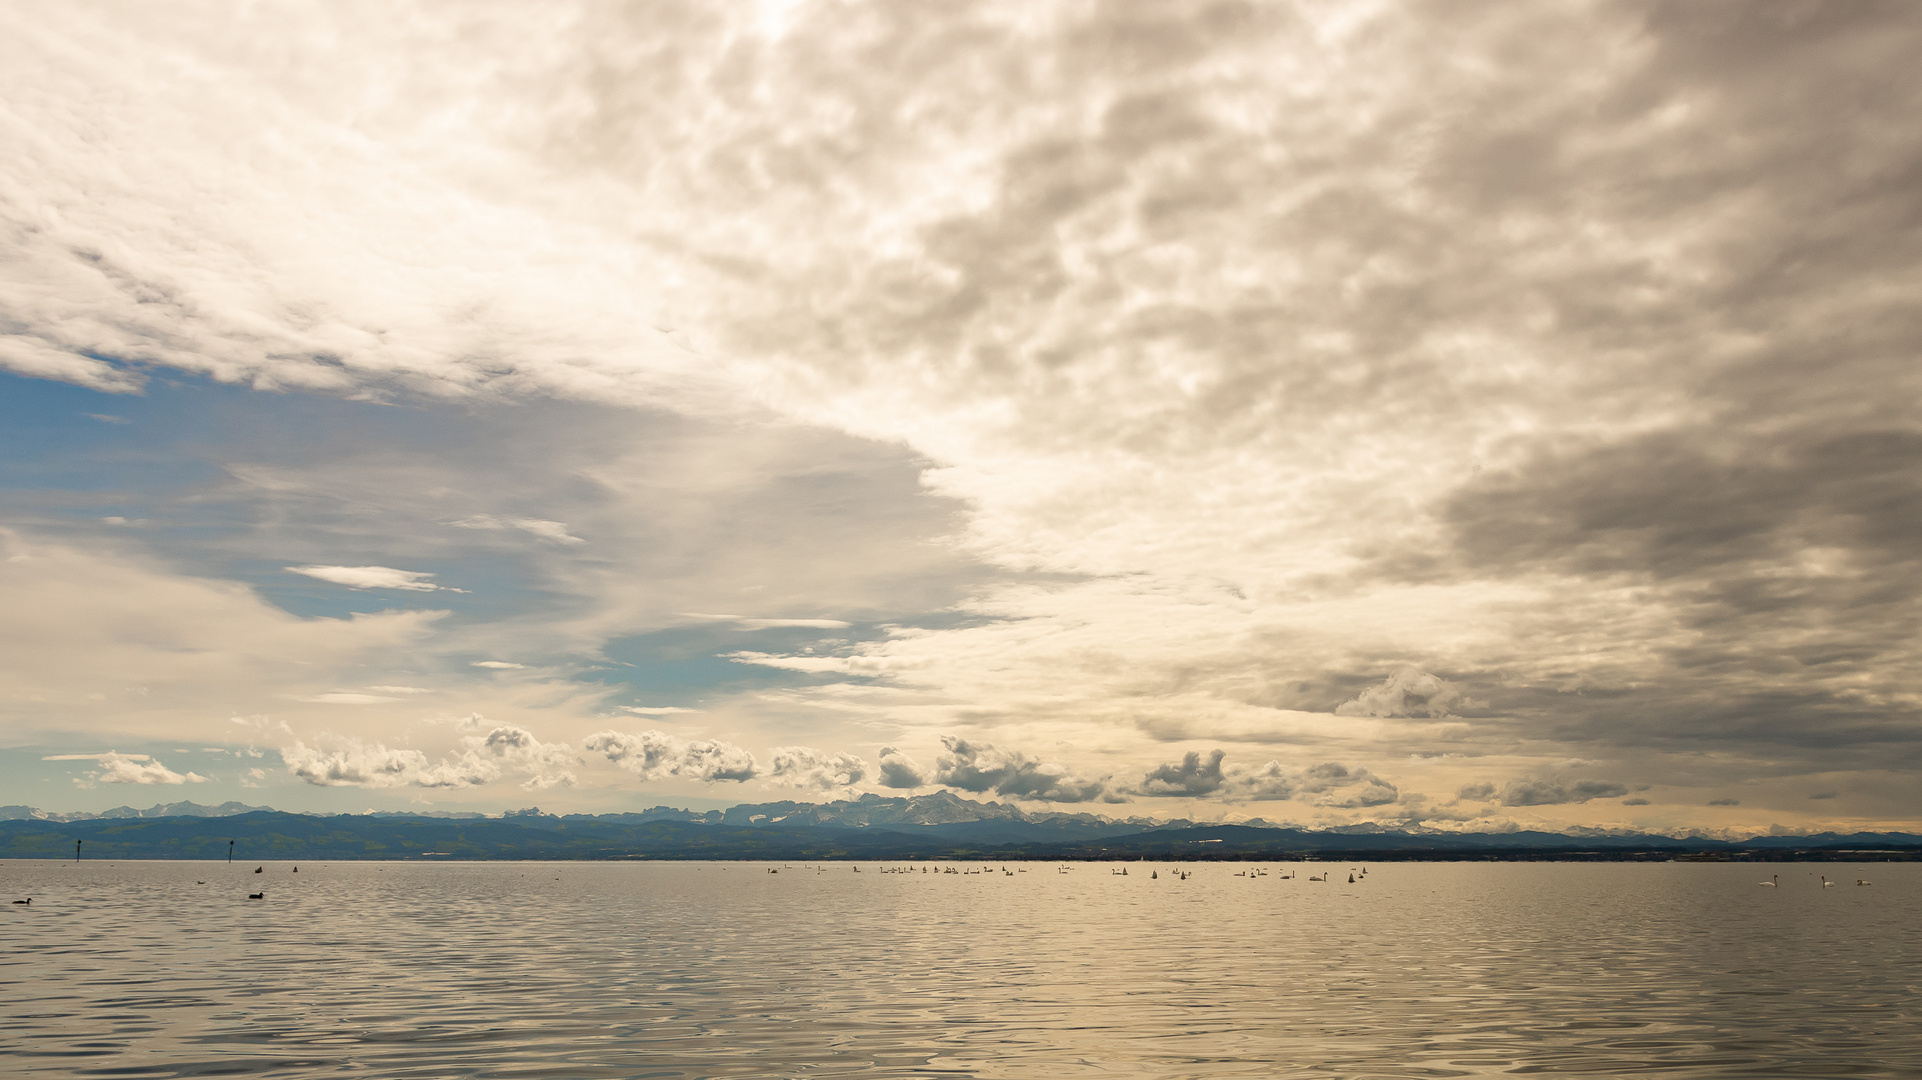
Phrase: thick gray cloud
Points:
(1328, 785)
(982, 767)
(1544, 792)
(900, 771)
(1190, 777)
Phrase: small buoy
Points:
(296, 869)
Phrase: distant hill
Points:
(530, 834)
(158, 810)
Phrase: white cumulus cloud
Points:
(817, 770)
(475, 761)
(654, 755)
(138, 769)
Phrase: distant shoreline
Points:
(279, 836)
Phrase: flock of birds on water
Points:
(1122, 871)
(1774, 881)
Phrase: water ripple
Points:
(521, 970)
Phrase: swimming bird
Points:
(1826, 883)
(1312, 877)
(1773, 882)
(259, 869)
(1862, 881)
(257, 895)
(28, 900)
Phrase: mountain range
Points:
(940, 825)
(158, 810)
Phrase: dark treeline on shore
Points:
(274, 835)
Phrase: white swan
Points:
(1826, 883)
(1771, 883)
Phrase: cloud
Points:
(1336, 785)
(1823, 795)
(656, 755)
(981, 767)
(1408, 692)
(375, 765)
(475, 762)
(342, 698)
(498, 665)
(1636, 801)
(818, 770)
(97, 641)
(1556, 792)
(137, 769)
(555, 531)
(1271, 782)
(654, 710)
(1549, 347)
(899, 771)
(108, 418)
(749, 623)
(518, 749)
(373, 577)
(1725, 802)
(1188, 778)
(1479, 792)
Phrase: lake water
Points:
(668, 970)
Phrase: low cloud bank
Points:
(481, 759)
(817, 770)
(656, 755)
(982, 767)
(1543, 792)
(1330, 784)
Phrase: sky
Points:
(1446, 414)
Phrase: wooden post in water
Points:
(230, 853)
(76, 849)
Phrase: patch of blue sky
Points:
(160, 475)
(684, 665)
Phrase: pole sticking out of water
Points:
(76, 849)
(230, 853)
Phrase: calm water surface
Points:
(725, 970)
